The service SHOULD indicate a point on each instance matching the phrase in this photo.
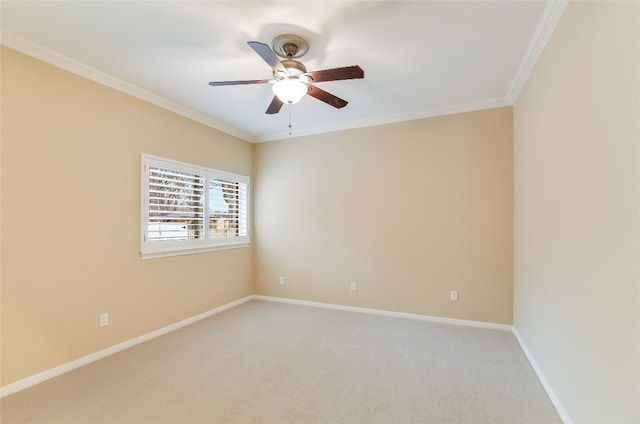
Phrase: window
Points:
(187, 208)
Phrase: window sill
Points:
(188, 251)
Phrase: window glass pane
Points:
(223, 208)
(176, 208)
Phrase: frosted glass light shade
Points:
(290, 91)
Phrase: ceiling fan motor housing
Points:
(294, 67)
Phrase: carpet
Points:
(269, 362)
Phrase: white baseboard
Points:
(69, 366)
(453, 321)
(564, 416)
(61, 369)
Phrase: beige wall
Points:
(408, 211)
(71, 218)
(576, 130)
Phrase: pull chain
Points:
(290, 119)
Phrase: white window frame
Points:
(160, 248)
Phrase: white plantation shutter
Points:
(176, 205)
(186, 208)
(228, 208)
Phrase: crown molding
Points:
(61, 61)
(550, 17)
(391, 119)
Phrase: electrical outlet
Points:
(454, 295)
(104, 320)
(281, 280)
(354, 286)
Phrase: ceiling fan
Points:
(291, 81)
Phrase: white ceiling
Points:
(420, 58)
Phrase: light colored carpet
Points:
(267, 362)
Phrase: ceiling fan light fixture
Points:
(290, 90)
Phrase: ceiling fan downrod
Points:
(290, 49)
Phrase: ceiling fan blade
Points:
(335, 74)
(216, 83)
(265, 52)
(275, 106)
(326, 97)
